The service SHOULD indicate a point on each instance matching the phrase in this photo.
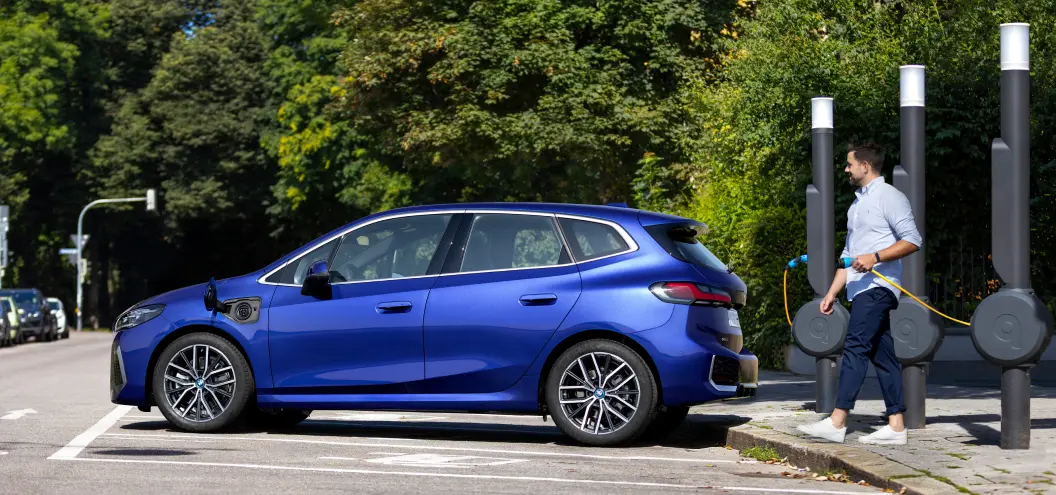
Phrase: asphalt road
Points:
(60, 434)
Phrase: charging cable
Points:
(845, 263)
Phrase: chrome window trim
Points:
(632, 245)
(261, 279)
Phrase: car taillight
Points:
(690, 293)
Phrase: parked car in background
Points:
(14, 331)
(5, 336)
(37, 320)
(60, 317)
(613, 321)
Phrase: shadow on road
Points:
(698, 431)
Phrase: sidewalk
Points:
(959, 451)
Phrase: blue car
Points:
(611, 320)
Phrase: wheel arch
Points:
(586, 335)
(148, 385)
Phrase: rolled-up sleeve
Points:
(899, 215)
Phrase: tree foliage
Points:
(523, 99)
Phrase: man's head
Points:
(865, 162)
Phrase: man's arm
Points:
(899, 215)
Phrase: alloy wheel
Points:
(599, 393)
(199, 383)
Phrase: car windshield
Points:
(24, 299)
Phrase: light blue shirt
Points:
(879, 217)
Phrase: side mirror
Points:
(211, 302)
(317, 282)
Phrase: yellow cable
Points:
(786, 299)
(907, 293)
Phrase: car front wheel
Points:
(202, 383)
(602, 393)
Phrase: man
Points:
(880, 232)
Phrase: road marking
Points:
(81, 441)
(440, 460)
(462, 476)
(431, 447)
(3, 453)
(18, 414)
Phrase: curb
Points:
(859, 464)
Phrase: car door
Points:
(367, 336)
(507, 286)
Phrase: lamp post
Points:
(150, 199)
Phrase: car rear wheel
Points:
(202, 383)
(601, 392)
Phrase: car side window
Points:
(505, 241)
(295, 272)
(394, 248)
(592, 240)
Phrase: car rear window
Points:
(592, 240)
(684, 242)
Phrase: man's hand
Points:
(864, 263)
(826, 304)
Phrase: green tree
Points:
(50, 78)
(523, 99)
(194, 133)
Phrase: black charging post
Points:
(817, 334)
(1011, 327)
(917, 332)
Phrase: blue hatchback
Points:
(614, 321)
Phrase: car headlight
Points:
(138, 316)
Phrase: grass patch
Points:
(1050, 473)
(946, 480)
(904, 476)
(959, 456)
(762, 453)
(765, 427)
(1047, 482)
(1005, 471)
(953, 467)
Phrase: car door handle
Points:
(538, 299)
(393, 307)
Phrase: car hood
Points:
(190, 292)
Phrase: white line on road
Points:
(429, 447)
(462, 476)
(18, 414)
(81, 441)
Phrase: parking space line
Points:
(462, 476)
(433, 447)
(81, 441)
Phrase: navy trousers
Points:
(869, 340)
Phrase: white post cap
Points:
(1015, 46)
(821, 112)
(911, 85)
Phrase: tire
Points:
(613, 360)
(666, 422)
(216, 391)
(274, 419)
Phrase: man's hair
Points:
(868, 152)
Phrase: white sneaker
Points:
(825, 430)
(886, 436)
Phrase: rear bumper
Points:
(694, 367)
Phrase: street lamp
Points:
(150, 199)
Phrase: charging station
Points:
(819, 335)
